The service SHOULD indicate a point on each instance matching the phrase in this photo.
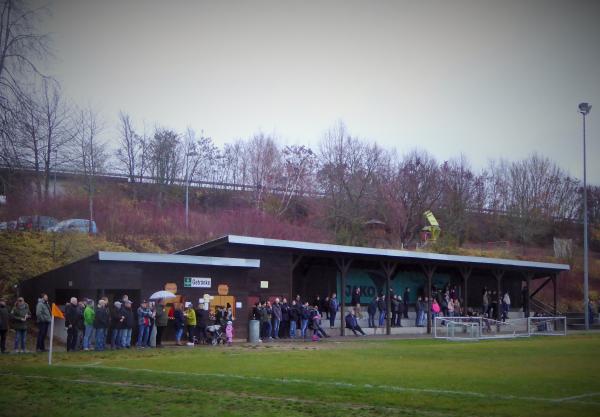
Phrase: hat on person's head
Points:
(229, 322)
(128, 302)
(188, 304)
(117, 304)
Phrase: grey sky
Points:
(488, 79)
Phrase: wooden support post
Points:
(498, 274)
(428, 270)
(466, 274)
(389, 268)
(528, 277)
(555, 300)
(343, 265)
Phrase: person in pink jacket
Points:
(229, 332)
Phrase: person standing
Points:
(43, 318)
(276, 319)
(101, 321)
(395, 309)
(382, 307)
(117, 322)
(128, 323)
(202, 318)
(372, 310)
(293, 313)
(3, 325)
(418, 308)
(505, 306)
(190, 320)
(406, 301)
(19, 315)
(143, 317)
(285, 319)
(162, 319)
(304, 317)
(333, 308)
(72, 319)
(324, 306)
(355, 301)
(179, 318)
(89, 315)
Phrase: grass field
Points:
(552, 376)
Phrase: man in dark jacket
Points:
(276, 319)
(43, 318)
(372, 310)
(4, 318)
(406, 301)
(117, 322)
(395, 304)
(73, 317)
(356, 302)
(128, 324)
(284, 330)
(162, 319)
(333, 308)
(352, 324)
(382, 307)
(202, 319)
(101, 321)
(294, 315)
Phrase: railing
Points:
(480, 328)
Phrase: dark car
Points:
(35, 223)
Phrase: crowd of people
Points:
(93, 326)
(299, 319)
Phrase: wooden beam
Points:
(540, 287)
(428, 270)
(389, 268)
(465, 273)
(343, 265)
(555, 298)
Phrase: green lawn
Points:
(551, 376)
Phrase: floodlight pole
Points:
(584, 109)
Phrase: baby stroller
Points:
(215, 335)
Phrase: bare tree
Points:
(165, 156)
(91, 153)
(20, 47)
(298, 175)
(264, 161)
(348, 172)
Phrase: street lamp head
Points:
(584, 108)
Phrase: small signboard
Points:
(197, 282)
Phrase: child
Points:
(229, 332)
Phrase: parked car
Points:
(35, 223)
(74, 225)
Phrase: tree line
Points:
(348, 180)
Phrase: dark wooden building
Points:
(240, 270)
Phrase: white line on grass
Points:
(392, 388)
(229, 393)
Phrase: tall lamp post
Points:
(187, 189)
(584, 109)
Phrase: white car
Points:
(74, 225)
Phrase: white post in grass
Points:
(51, 340)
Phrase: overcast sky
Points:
(489, 79)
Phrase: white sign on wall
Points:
(197, 282)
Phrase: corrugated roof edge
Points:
(358, 250)
(177, 259)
